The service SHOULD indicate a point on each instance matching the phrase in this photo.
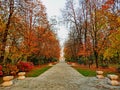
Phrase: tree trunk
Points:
(4, 40)
(96, 58)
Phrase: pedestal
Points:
(113, 80)
(21, 75)
(99, 74)
(7, 81)
(50, 64)
(73, 64)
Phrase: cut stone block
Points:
(100, 76)
(50, 64)
(99, 72)
(8, 78)
(55, 62)
(73, 64)
(7, 83)
(114, 83)
(113, 77)
(21, 75)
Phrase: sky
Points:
(53, 9)
(53, 6)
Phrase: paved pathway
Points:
(61, 77)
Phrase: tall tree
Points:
(10, 7)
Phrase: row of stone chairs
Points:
(113, 78)
(8, 80)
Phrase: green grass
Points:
(87, 73)
(33, 73)
(37, 72)
(92, 73)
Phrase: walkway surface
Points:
(61, 77)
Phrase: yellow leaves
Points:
(118, 19)
(28, 31)
(115, 36)
(108, 54)
(14, 53)
(2, 25)
(114, 45)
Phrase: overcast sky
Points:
(53, 6)
(53, 9)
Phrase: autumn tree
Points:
(112, 51)
(25, 31)
(73, 21)
(8, 8)
(96, 20)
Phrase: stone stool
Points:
(113, 80)
(68, 62)
(7, 81)
(50, 64)
(55, 62)
(73, 64)
(21, 75)
(99, 74)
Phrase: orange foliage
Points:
(108, 4)
(28, 31)
(105, 7)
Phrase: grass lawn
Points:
(37, 72)
(92, 73)
(85, 72)
(33, 73)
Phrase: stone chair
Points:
(7, 81)
(99, 74)
(21, 75)
(113, 80)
